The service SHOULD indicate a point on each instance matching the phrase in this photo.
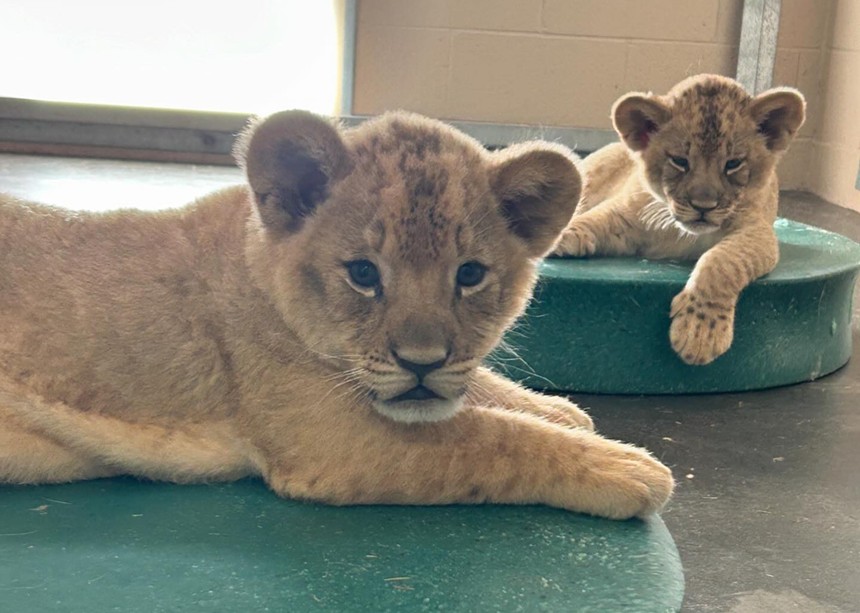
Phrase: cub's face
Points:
(401, 250)
(707, 143)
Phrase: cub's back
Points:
(604, 172)
(98, 308)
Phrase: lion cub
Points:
(695, 177)
(322, 326)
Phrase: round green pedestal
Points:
(121, 545)
(601, 325)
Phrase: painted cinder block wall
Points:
(563, 63)
(835, 151)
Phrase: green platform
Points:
(601, 325)
(122, 545)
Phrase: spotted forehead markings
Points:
(416, 141)
(424, 224)
(399, 138)
(419, 160)
(715, 109)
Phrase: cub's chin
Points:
(697, 227)
(416, 411)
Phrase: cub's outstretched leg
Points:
(490, 389)
(481, 455)
(703, 314)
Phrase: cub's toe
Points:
(701, 329)
(576, 242)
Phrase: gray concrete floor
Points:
(766, 515)
(767, 512)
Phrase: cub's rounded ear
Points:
(291, 160)
(538, 186)
(636, 117)
(778, 113)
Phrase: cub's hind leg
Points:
(28, 457)
(102, 445)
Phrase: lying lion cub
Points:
(695, 177)
(322, 326)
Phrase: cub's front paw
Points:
(629, 482)
(702, 329)
(577, 241)
(656, 483)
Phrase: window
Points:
(256, 56)
(165, 79)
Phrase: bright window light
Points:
(252, 56)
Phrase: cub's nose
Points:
(703, 197)
(704, 205)
(420, 362)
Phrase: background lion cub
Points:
(322, 326)
(694, 176)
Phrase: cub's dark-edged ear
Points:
(291, 160)
(778, 113)
(636, 117)
(538, 186)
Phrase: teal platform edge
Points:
(123, 545)
(601, 325)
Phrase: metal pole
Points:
(348, 77)
(757, 48)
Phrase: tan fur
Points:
(638, 199)
(236, 336)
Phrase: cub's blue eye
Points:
(679, 162)
(733, 164)
(363, 273)
(470, 274)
